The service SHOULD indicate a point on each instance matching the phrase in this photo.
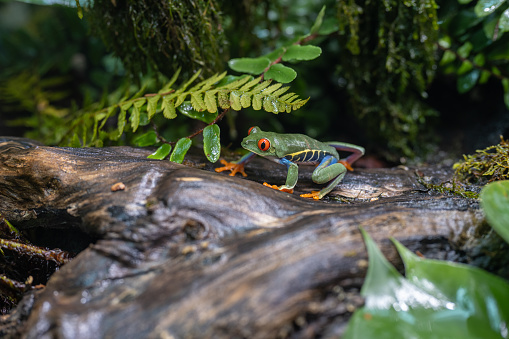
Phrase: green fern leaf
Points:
(126, 105)
(223, 99)
(190, 81)
(168, 108)
(181, 98)
(167, 87)
(210, 101)
(271, 89)
(261, 86)
(208, 83)
(280, 91)
(288, 97)
(120, 124)
(257, 102)
(235, 100)
(111, 110)
(197, 102)
(250, 84)
(152, 105)
(245, 100)
(135, 115)
(236, 83)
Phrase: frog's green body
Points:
(294, 149)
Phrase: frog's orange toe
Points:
(313, 194)
(230, 166)
(276, 187)
(346, 164)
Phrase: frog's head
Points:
(259, 142)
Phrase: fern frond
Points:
(206, 95)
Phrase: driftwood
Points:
(178, 251)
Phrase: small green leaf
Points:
(249, 65)
(503, 23)
(486, 7)
(168, 107)
(211, 143)
(152, 105)
(448, 57)
(146, 139)
(467, 81)
(180, 150)
(495, 203)
(298, 52)
(318, 22)
(464, 50)
(161, 153)
(485, 75)
(280, 73)
(187, 109)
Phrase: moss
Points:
(487, 165)
(388, 60)
(165, 34)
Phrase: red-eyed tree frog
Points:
(292, 150)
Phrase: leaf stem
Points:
(163, 140)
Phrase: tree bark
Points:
(181, 251)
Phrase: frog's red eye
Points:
(264, 144)
(250, 130)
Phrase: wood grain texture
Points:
(183, 252)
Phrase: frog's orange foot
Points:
(230, 166)
(346, 164)
(276, 187)
(313, 194)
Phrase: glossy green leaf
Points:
(211, 143)
(486, 7)
(503, 23)
(468, 80)
(448, 57)
(437, 299)
(298, 52)
(249, 65)
(318, 21)
(495, 203)
(180, 150)
(161, 153)
(280, 73)
(146, 139)
(187, 109)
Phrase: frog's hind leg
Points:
(328, 170)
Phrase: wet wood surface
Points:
(176, 251)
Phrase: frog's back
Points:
(301, 149)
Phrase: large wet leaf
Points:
(280, 73)
(437, 299)
(180, 150)
(249, 65)
(161, 153)
(495, 202)
(211, 142)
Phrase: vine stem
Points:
(163, 140)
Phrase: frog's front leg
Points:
(291, 177)
(328, 170)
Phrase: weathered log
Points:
(179, 251)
